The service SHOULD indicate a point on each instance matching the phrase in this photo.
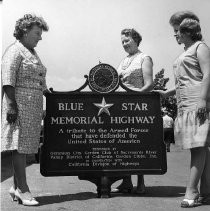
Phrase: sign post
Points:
(103, 135)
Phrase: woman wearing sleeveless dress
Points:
(136, 70)
(192, 87)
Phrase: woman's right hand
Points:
(161, 92)
(12, 113)
(166, 93)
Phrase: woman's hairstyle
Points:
(178, 17)
(192, 28)
(132, 33)
(26, 23)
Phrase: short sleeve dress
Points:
(188, 80)
(130, 69)
(25, 72)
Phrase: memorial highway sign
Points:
(118, 133)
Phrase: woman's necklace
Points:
(128, 60)
(188, 45)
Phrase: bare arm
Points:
(166, 93)
(147, 69)
(203, 54)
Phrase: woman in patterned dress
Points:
(23, 82)
(136, 71)
(192, 86)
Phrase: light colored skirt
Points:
(188, 131)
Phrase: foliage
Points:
(159, 81)
(168, 103)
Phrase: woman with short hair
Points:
(136, 71)
(192, 88)
(23, 82)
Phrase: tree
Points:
(170, 102)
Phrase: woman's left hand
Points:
(202, 114)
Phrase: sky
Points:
(84, 32)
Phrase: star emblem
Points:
(104, 107)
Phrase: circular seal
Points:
(103, 78)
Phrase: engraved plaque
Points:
(103, 78)
(103, 134)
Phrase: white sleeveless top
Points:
(131, 70)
